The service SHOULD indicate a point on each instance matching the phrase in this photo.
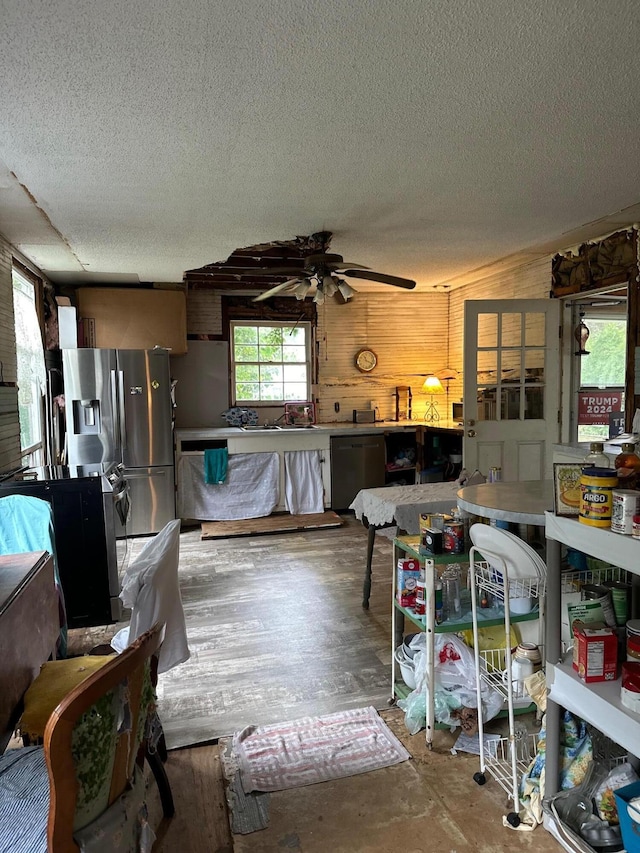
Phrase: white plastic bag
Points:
(454, 685)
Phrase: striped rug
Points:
(315, 749)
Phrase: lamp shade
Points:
(432, 385)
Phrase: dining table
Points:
(522, 502)
(401, 506)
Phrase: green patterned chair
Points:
(84, 789)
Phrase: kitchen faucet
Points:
(277, 420)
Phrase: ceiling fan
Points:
(323, 271)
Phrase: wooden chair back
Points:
(90, 762)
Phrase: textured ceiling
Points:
(432, 138)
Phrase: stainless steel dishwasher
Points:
(357, 462)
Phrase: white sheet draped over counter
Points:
(303, 482)
(251, 490)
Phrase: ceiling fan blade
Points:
(344, 264)
(290, 284)
(291, 270)
(381, 277)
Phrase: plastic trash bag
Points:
(454, 685)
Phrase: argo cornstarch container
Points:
(596, 498)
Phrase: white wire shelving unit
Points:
(508, 758)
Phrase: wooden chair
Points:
(85, 784)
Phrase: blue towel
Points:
(215, 466)
(26, 524)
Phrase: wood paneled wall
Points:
(532, 281)
(9, 423)
(407, 331)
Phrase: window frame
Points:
(307, 325)
(34, 453)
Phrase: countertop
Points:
(612, 446)
(199, 433)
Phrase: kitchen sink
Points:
(271, 427)
(297, 426)
(259, 427)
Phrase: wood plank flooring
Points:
(276, 631)
(278, 523)
(429, 804)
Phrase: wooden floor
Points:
(277, 631)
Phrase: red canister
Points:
(453, 537)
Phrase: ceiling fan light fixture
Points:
(318, 296)
(329, 285)
(301, 290)
(345, 289)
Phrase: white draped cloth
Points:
(251, 489)
(303, 488)
(403, 505)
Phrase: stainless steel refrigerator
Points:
(118, 408)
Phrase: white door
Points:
(511, 386)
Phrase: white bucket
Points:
(406, 668)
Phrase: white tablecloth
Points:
(402, 505)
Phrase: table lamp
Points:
(432, 385)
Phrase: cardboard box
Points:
(408, 574)
(597, 652)
(133, 318)
(432, 541)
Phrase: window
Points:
(602, 376)
(31, 372)
(270, 362)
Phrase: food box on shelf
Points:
(596, 655)
(407, 579)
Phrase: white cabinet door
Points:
(511, 386)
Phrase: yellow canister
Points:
(596, 496)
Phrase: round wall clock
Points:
(366, 360)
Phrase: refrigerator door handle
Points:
(144, 475)
(121, 413)
(117, 429)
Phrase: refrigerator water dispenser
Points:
(86, 417)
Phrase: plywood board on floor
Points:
(281, 523)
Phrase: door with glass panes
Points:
(511, 386)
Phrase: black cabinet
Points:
(436, 447)
(400, 458)
(81, 544)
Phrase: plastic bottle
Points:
(627, 465)
(451, 592)
(437, 589)
(596, 457)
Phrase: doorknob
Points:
(471, 433)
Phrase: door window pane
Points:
(511, 330)
(487, 330)
(534, 330)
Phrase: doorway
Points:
(594, 356)
(511, 371)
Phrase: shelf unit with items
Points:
(400, 458)
(598, 703)
(409, 546)
(508, 757)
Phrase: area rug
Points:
(315, 749)
(280, 523)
